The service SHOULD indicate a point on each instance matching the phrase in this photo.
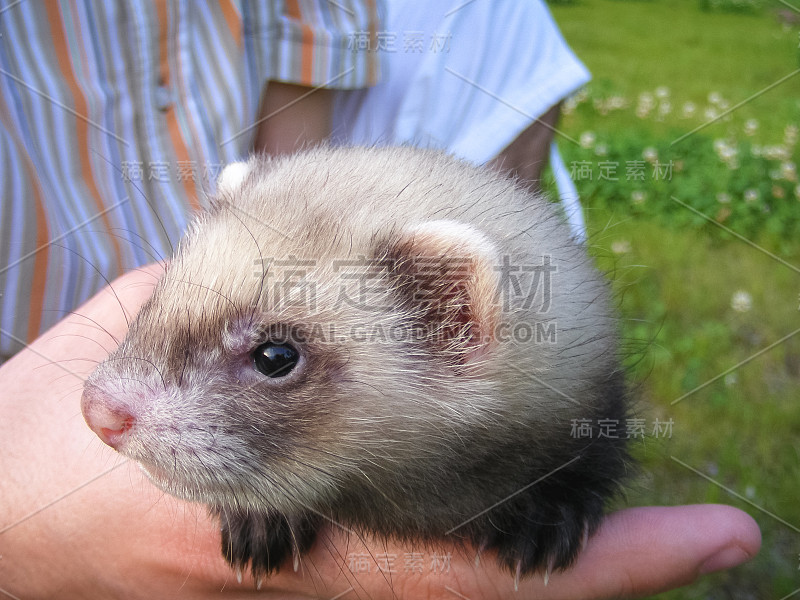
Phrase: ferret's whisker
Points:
(102, 276)
(144, 197)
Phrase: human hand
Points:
(77, 520)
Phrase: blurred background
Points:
(684, 149)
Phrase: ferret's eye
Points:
(275, 360)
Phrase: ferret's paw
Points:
(264, 541)
(545, 540)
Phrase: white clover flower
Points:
(789, 171)
(790, 135)
(646, 99)
(650, 154)
(587, 139)
(645, 105)
(662, 91)
(638, 197)
(689, 110)
(741, 301)
(714, 98)
(775, 152)
(728, 153)
(617, 102)
(600, 106)
(601, 149)
(751, 195)
(621, 247)
(665, 107)
(724, 198)
(750, 127)
(711, 113)
(731, 379)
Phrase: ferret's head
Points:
(313, 332)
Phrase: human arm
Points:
(526, 156)
(291, 117)
(297, 54)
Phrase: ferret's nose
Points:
(106, 417)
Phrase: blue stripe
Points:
(58, 180)
(135, 255)
(139, 213)
(165, 201)
(234, 74)
(97, 94)
(11, 277)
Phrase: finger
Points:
(652, 549)
(642, 551)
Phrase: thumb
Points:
(641, 551)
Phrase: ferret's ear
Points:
(232, 176)
(445, 275)
(229, 182)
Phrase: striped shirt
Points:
(115, 116)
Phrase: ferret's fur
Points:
(425, 417)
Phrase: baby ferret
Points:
(387, 339)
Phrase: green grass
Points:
(676, 274)
(675, 292)
(632, 47)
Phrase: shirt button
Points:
(163, 98)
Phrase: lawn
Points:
(703, 251)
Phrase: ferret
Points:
(390, 340)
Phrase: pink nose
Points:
(106, 417)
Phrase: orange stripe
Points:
(41, 258)
(233, 20)
(163, 49)
(307, 55)
(81, 126)
(181, 151)
(40, 261)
